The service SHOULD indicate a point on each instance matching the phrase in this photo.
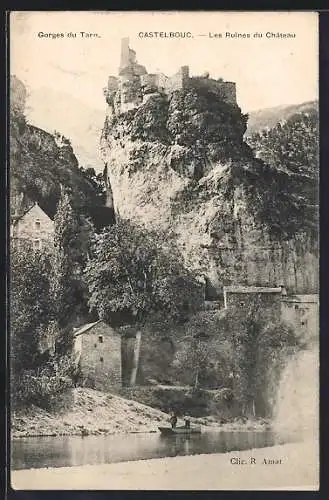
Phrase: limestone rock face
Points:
(179, 162)
(41, 162)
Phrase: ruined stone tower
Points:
(124, 59)
(134, 84)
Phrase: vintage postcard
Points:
(164, 247)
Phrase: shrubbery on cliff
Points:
(149, 123)
(199, 115)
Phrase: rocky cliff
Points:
(40, 163)
(179, 162)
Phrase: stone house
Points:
(97, 351)
(302, 313)
(242, 297)
(299, 311)
(32, 227)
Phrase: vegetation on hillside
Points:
(287, 191)
(31, 308)
(269, 117)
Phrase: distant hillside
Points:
(52, 110)
(269, 117)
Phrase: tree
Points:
(204, 355)
(135, 275)
(97, 182)
(71, 245)
(30, 305)
(260, 344)
(194, 356)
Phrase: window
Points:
(37, 244)
(101, 360)
(37, 225)
(100, 339)
(296, 307)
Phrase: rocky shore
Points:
(93, 412)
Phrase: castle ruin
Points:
(134, 85)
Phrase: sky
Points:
(268, 71)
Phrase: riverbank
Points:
(93, 412)
(293, 467)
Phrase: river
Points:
(66, 451)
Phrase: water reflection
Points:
(73, 450)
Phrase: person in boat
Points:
(187, 423)
(173, 420)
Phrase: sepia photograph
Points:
(163, 186)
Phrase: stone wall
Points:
(225, 90)
(135, 83)
(100, 358)
(34, 227)
(302, 313)
(149, 83)
(178, 81)
(242, 299)
(157, 352)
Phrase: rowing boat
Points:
(169, 431)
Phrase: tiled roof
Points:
(314, 298)
(84, 328)
(21, 215)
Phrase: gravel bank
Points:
(94, 412)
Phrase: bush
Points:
(42, 386)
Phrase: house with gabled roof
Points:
(30, 225)
(97, 352)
